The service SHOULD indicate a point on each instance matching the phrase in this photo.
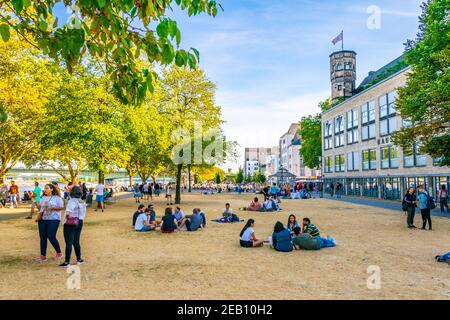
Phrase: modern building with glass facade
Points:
(357, 148)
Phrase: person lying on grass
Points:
(313, 232)
(304, 241)
(168, 223)
(247, 236)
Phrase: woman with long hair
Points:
(410, 201)
(247, 236)
(48, 220)
(281, 238)
(73, 224)
(292, 223)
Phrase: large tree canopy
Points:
(115, 31)
(425, 100)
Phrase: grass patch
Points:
(10, 261)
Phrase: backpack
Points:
(404, 205)
(430, 203)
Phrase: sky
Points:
(270, 59)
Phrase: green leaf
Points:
(4, 32)
(181, 58)
(162, 29)
(18, 5)
(167, 54)
(101, 4)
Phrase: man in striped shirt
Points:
(314, 233)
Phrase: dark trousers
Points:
(48, 230)
(411, 212)
(3, 202)
(426, 216)
(444, 204)
(72, 238)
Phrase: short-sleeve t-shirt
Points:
(152, 216)
(168, 223)
(247, 235)
(100, 188)
(227, 213)
(140, 221)
(312, 230)
(53, 201)
(178, 215)
(37, 191)
(75, 208)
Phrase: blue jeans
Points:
(325, 243)
(13, 200)
(48, 230)
(145, 229)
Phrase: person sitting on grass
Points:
(271, 205)
(139, 211)
(194, 221)
(227, 212)
(168, 223)
(247, 236)
(142, 223)
(313, 232)
(292, 223)
(152, 216)
(179, 216)
(254, 206)
(303, 241)
(281, 238)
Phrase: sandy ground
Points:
(123, 264)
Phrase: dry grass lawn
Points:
(123, 264)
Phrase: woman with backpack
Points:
(424, 207)
(409, 206)
(73, 224)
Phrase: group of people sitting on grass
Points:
(269, 205)
(144, 220)
(286, 239)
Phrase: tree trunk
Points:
(2, 177)
(178, 185)
(154, 179)
(130, 180)
(101, 177)
(189, 178)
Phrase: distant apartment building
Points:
(257, 158)
(357, 147)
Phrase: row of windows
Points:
(388, 160)
(388, 123)
(346, 66)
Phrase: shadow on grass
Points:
(11, 261)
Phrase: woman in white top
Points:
(169, 193)
(247, 236)
(73, 224)
(50, 208)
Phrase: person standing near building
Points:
(410, 201)
(443, 199)
(14, 193)
(100, 189)
(423, 206)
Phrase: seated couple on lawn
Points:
(268, 206)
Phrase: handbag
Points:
(73, 221)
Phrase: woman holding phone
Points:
(48, 220)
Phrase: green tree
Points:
(259, 178)
(425, 100)
(117, 32)
(239, 176)
(26, 83)
(310, 131)
(187, 97)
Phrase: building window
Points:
(348, 66)
(328, 167)
(328, 136)
(389, 157)
(339, 87)
(352, 126)
(368, 121)
(339, 131)
(413, 157)
(339, 163)
(369, 159)
(388, 120)
(339, 67)
(352, 161)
